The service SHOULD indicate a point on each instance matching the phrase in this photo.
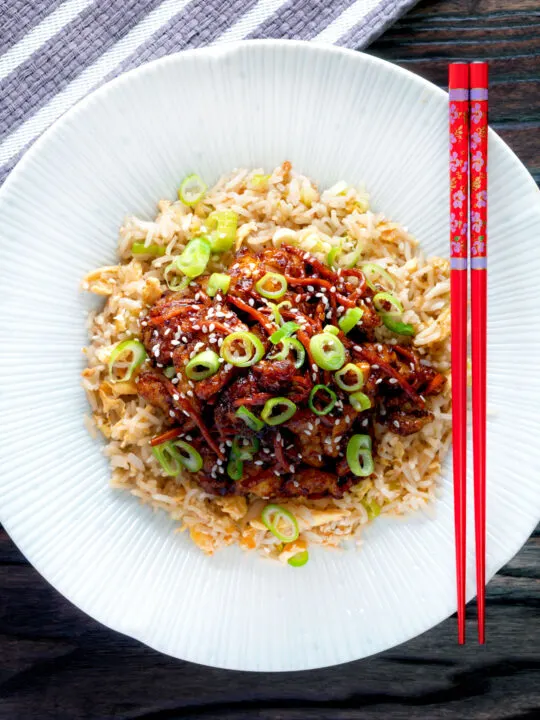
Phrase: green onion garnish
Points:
(285, 331)
(139, 248)
(242, 349)
(191, 190)
(218, 283)
(203, 365)
(176, 282)
(251, 420)
(327, 351)
(235, 467)
(194, 258)
(396, 325)
(281, 523)
(170, 371)
(359, 456)
(189, 457)
(329, 405)
(360, 401)
(373, 272)
(341, 376)
(332, 254)
(225, 223)
(331, 329)
(275, 312)
(289, 344)
(244, 447)
(381, 298)
(281, 417)
(351, 319)
(121, 352)
(271, 286)
(299, 559)
(373, 508)
(176, 454)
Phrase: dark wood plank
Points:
(58, 664)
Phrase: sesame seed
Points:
(310, 288)
(144, 323)
(379, 380)
(212, 327)
(411, 365)
(174, 381)
(172, 413)
(315, 367)
(338, 438)
(176, 396)
(375, 367)
(251, 302)
(396, 423)
(365, 422)
(393, 381)
(184, 339)
(259, 462)
(380, 348)
(336, 421)
(189, 438)
(189, 393)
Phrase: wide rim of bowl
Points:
(219, 52)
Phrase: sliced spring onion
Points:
(189, 457)
(224, 224)
(168, 458)
(170, 371)
(235, 467)
(218, 282)
(121, 353)
(175, 282)
(275, 312)
(394, 324)
(191, 190)
(381, 299)
(139, 248)
(331, 329)
(342, 376)
(359, 457)
(288, 345)
(327, 350)
(242, 349)
(373, 508)
(285, 304)
(244, 447)
(374, 274)
(176, 454)
(271, 286)
(203, 365)
(351, 319)
(332, 255)
(360, 401)
(194, 258)
(281, 523)
(289, 408)
(299, 559)
(329, 405)
(285, 331)
(351, 259)
(251, 420)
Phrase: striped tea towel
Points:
(53, 52)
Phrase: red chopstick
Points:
(478, 224)
(459, 204)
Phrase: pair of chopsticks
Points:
(468, 110)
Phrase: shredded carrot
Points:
(257, 399)
(255, 314)
(166, 436)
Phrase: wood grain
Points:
(58, 664)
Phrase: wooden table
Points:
(57, 664)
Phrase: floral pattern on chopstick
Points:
(479, 139)
(459, 177)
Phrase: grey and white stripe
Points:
(54, 52)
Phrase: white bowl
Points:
(336, 115)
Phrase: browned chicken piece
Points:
(312, 483)
(274, 376)
(403, 418)
(154, 389)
